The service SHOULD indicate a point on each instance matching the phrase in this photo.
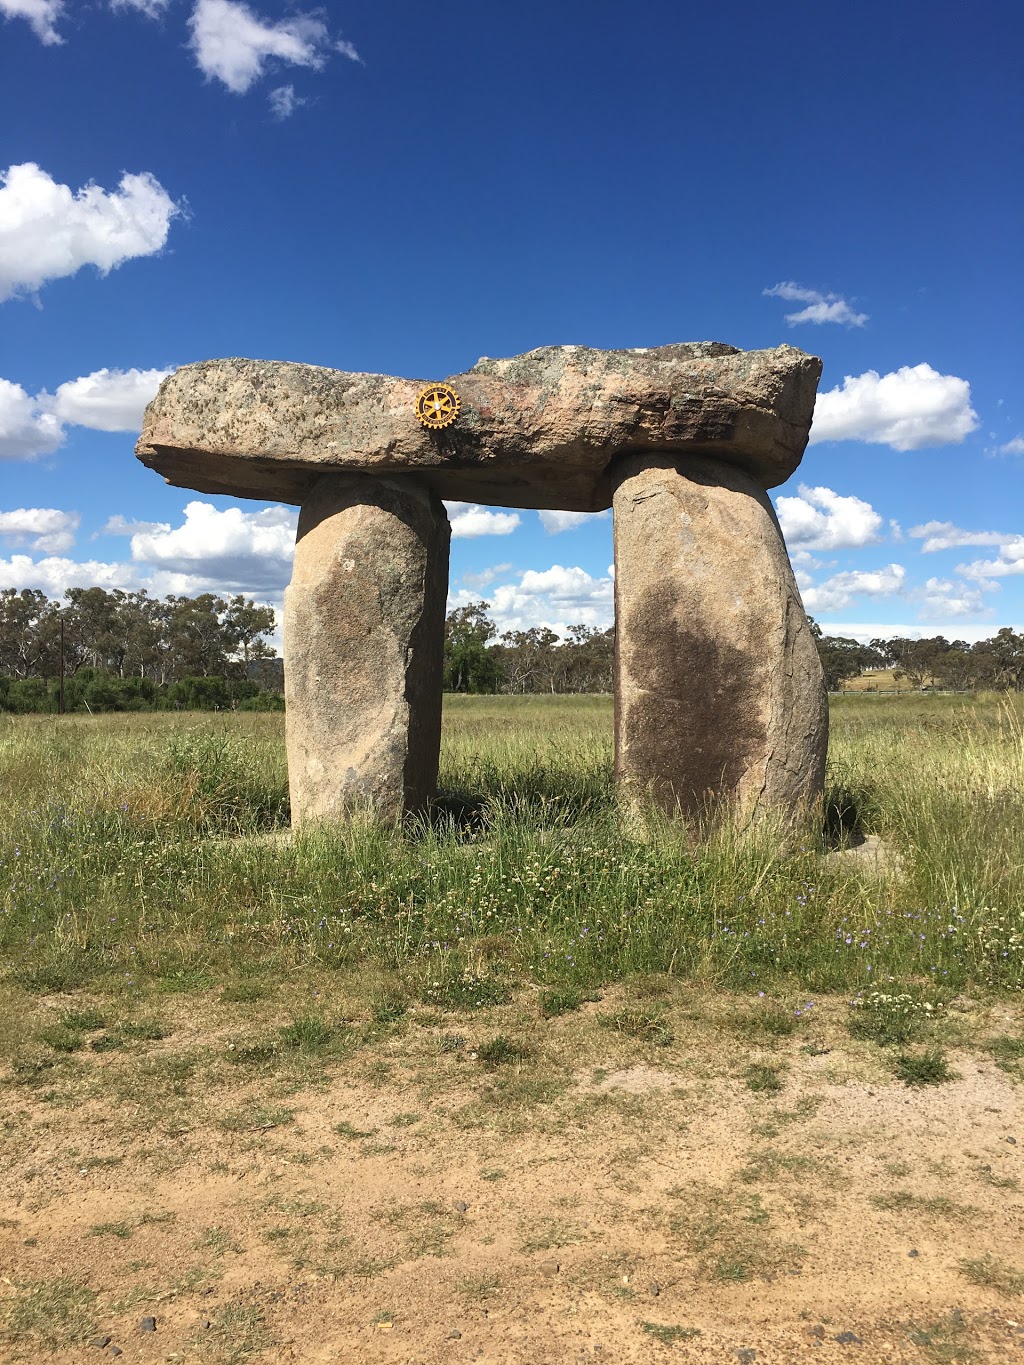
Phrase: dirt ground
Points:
(585, 1195)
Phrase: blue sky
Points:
(391, 188)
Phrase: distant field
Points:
(513, 1074)
(882, 681)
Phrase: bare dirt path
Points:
(576, 1193)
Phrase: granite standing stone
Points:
(719, 692)
(364, 629)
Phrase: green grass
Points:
(945, 1340)
(669, 1335)
(122, 1230)
(762, 1078)
(478, 1286)
(934, 1206)
(894, 1014)
(350, 1133)
(55, 1313)
(644, 1023)
(731, 1235)
(236, 1332)
(1008, 1054)
(307, 1033)
(139, 857)
(923, 1068)
(83, 1020)
(556, 1002)
(989, 1272)
(502, 1051)
(257, 1118)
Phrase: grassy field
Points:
(138, 853)
(503, 1071)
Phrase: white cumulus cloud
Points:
(40, 528)
(1014, 447)
(233, 44)
(107, 400)
(469, 520)
(841, 589)
(558, 597)
(231, 551)
(819, 307)
(556, 522)
(41, 14)
(820, 519)
(1008, 562)
(907, 409)
(26, 430)
(117, 525)
(942, 598)
(49, 231)
(54, 575)
(943, 535)
(223, 552)
(485, 577)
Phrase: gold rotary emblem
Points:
(438, 406)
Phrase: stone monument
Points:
(718, 690)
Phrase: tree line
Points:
(995, 664)
(478, 659)
(116, 650)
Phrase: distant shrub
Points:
(263, 701)
(199, 694)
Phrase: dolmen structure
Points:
(718, 689)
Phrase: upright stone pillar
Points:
(364, 640)
(718, 691)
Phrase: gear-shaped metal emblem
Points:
(438, 406)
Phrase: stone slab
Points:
(543, 429)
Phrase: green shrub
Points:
(762, 1078)
(923, 1068)
(502, 1051)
